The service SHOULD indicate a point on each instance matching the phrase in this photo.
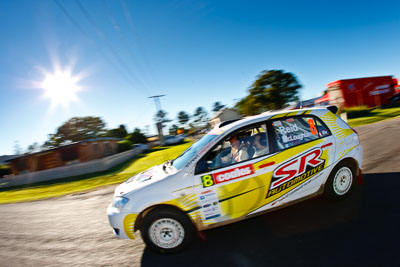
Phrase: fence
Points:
(93, 166)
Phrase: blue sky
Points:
(194, 52)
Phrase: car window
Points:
(290, 132)
(189, 153)
(322, 128)
(240, 146)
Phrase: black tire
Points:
(166, 224)
(341, 181)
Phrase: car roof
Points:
(265, 116)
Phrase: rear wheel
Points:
(340, 181)
(166, 230)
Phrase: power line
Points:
(128, 15)
(108, 43)
(86, 35)
(121, 66)
(122, 37)
(137, 37)
(72, 20)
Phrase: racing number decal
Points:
(207, 180)
(313, 129)
(227, 175)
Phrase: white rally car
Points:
(239, 169)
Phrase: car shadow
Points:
(361, 229)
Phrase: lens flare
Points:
(61, 88)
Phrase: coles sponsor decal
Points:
(228, 175)
(299, 169)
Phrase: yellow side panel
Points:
(255, 188)
(242, 197)
(331, 120)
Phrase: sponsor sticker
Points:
(227, 175)
(192, 160)
(209, 204)
(295, 171)
(294, 191)
(299, 137)
(288, 129)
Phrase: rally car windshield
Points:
(183, 158)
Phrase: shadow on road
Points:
(360, 230)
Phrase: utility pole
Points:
(159, 124)
(157, 101)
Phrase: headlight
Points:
(119, 202)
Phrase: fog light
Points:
(116, 231)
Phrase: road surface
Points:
(361, 230)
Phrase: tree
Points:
(146, 130)
(50, 143)
(77, 129)
(124, 145)
(183, 117)
(137, 137)
(33, 148)
(200, 117)
(17, 148)
(161, 117)
(173, 129)
(119, 132)
(273, 89)
(248, 106)
(217, 106)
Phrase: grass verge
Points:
(118, 174)
(375, 115)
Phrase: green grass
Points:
(357, 112)
(116, 175)
(375, 115)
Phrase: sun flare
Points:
(60, 87)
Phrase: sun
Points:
(60, 87)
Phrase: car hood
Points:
(144, 179)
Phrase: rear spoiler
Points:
(333, 109)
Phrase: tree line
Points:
(83, 128)
(186, 122)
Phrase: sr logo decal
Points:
(299, 169)
(225, 176)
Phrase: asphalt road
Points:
(362, 230)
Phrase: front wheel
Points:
(340, 181)
(167, 231)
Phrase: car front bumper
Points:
(123, 224)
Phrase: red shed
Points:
(369, 91)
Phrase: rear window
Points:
(291, 132)
(322, 128)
